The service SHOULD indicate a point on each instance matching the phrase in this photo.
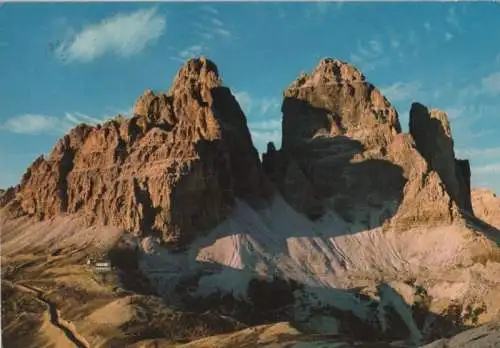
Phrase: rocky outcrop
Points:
(343, 149)
(7, 195)
(175, 168)
(432, 133)
(486, 206)
(337, 100)
(178, 165)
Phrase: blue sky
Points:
(64, 63)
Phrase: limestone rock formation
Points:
(486, 205)
(343, 148)
(337, 100)
(432, 133)
(175, 168)
(185, 161)
(178, 165)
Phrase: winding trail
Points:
(54, 316)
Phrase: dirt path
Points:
(54, 317)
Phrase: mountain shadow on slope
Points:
(274, 299)
(325, 171)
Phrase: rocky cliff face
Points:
(432, 133)
(174, 168)
(486, 206)
(343, 149)
(178, 165)
(185, 162)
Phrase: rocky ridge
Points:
(192, 144)
(343, 149)
(486, 206)
(143, 174)
(348, 202)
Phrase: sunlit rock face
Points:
(174, 168)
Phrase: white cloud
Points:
(210, 9)
(369, 55)
(269, 104)
(78, 117)
(372, 50)
(124, 34)
(217, 22)
(192, 51)
(245, 101)
(43, 124)
(222, 32)
(471, 126)
(31, 124)
(456, 112)
(428, 26)
(267, 125)
(259, 105)
(209, 25)
(401, 91)
(265, 131)
(492, 152)
(448, 36)
(262, 131)
(493, 168)
(491, 84)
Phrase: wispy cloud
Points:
(265, 131)
(491, 84)
(245, 100)
(493, 168)
(266, 125)
(456, 112)
(319, 7)
(472, 124)
(448, 36)
(217, 22)
(369, 55)
(492, 152)
(262, 131)
(46, 124)
(32, 124)
(401, 44)
(192, 51)
(269, 104)
(210, 9)
(210, 26)
(428, 26)
(256, 105)
(124, 35)
(222, 32)
(402, 91)
(488, 85)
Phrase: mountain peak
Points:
(200, 71)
